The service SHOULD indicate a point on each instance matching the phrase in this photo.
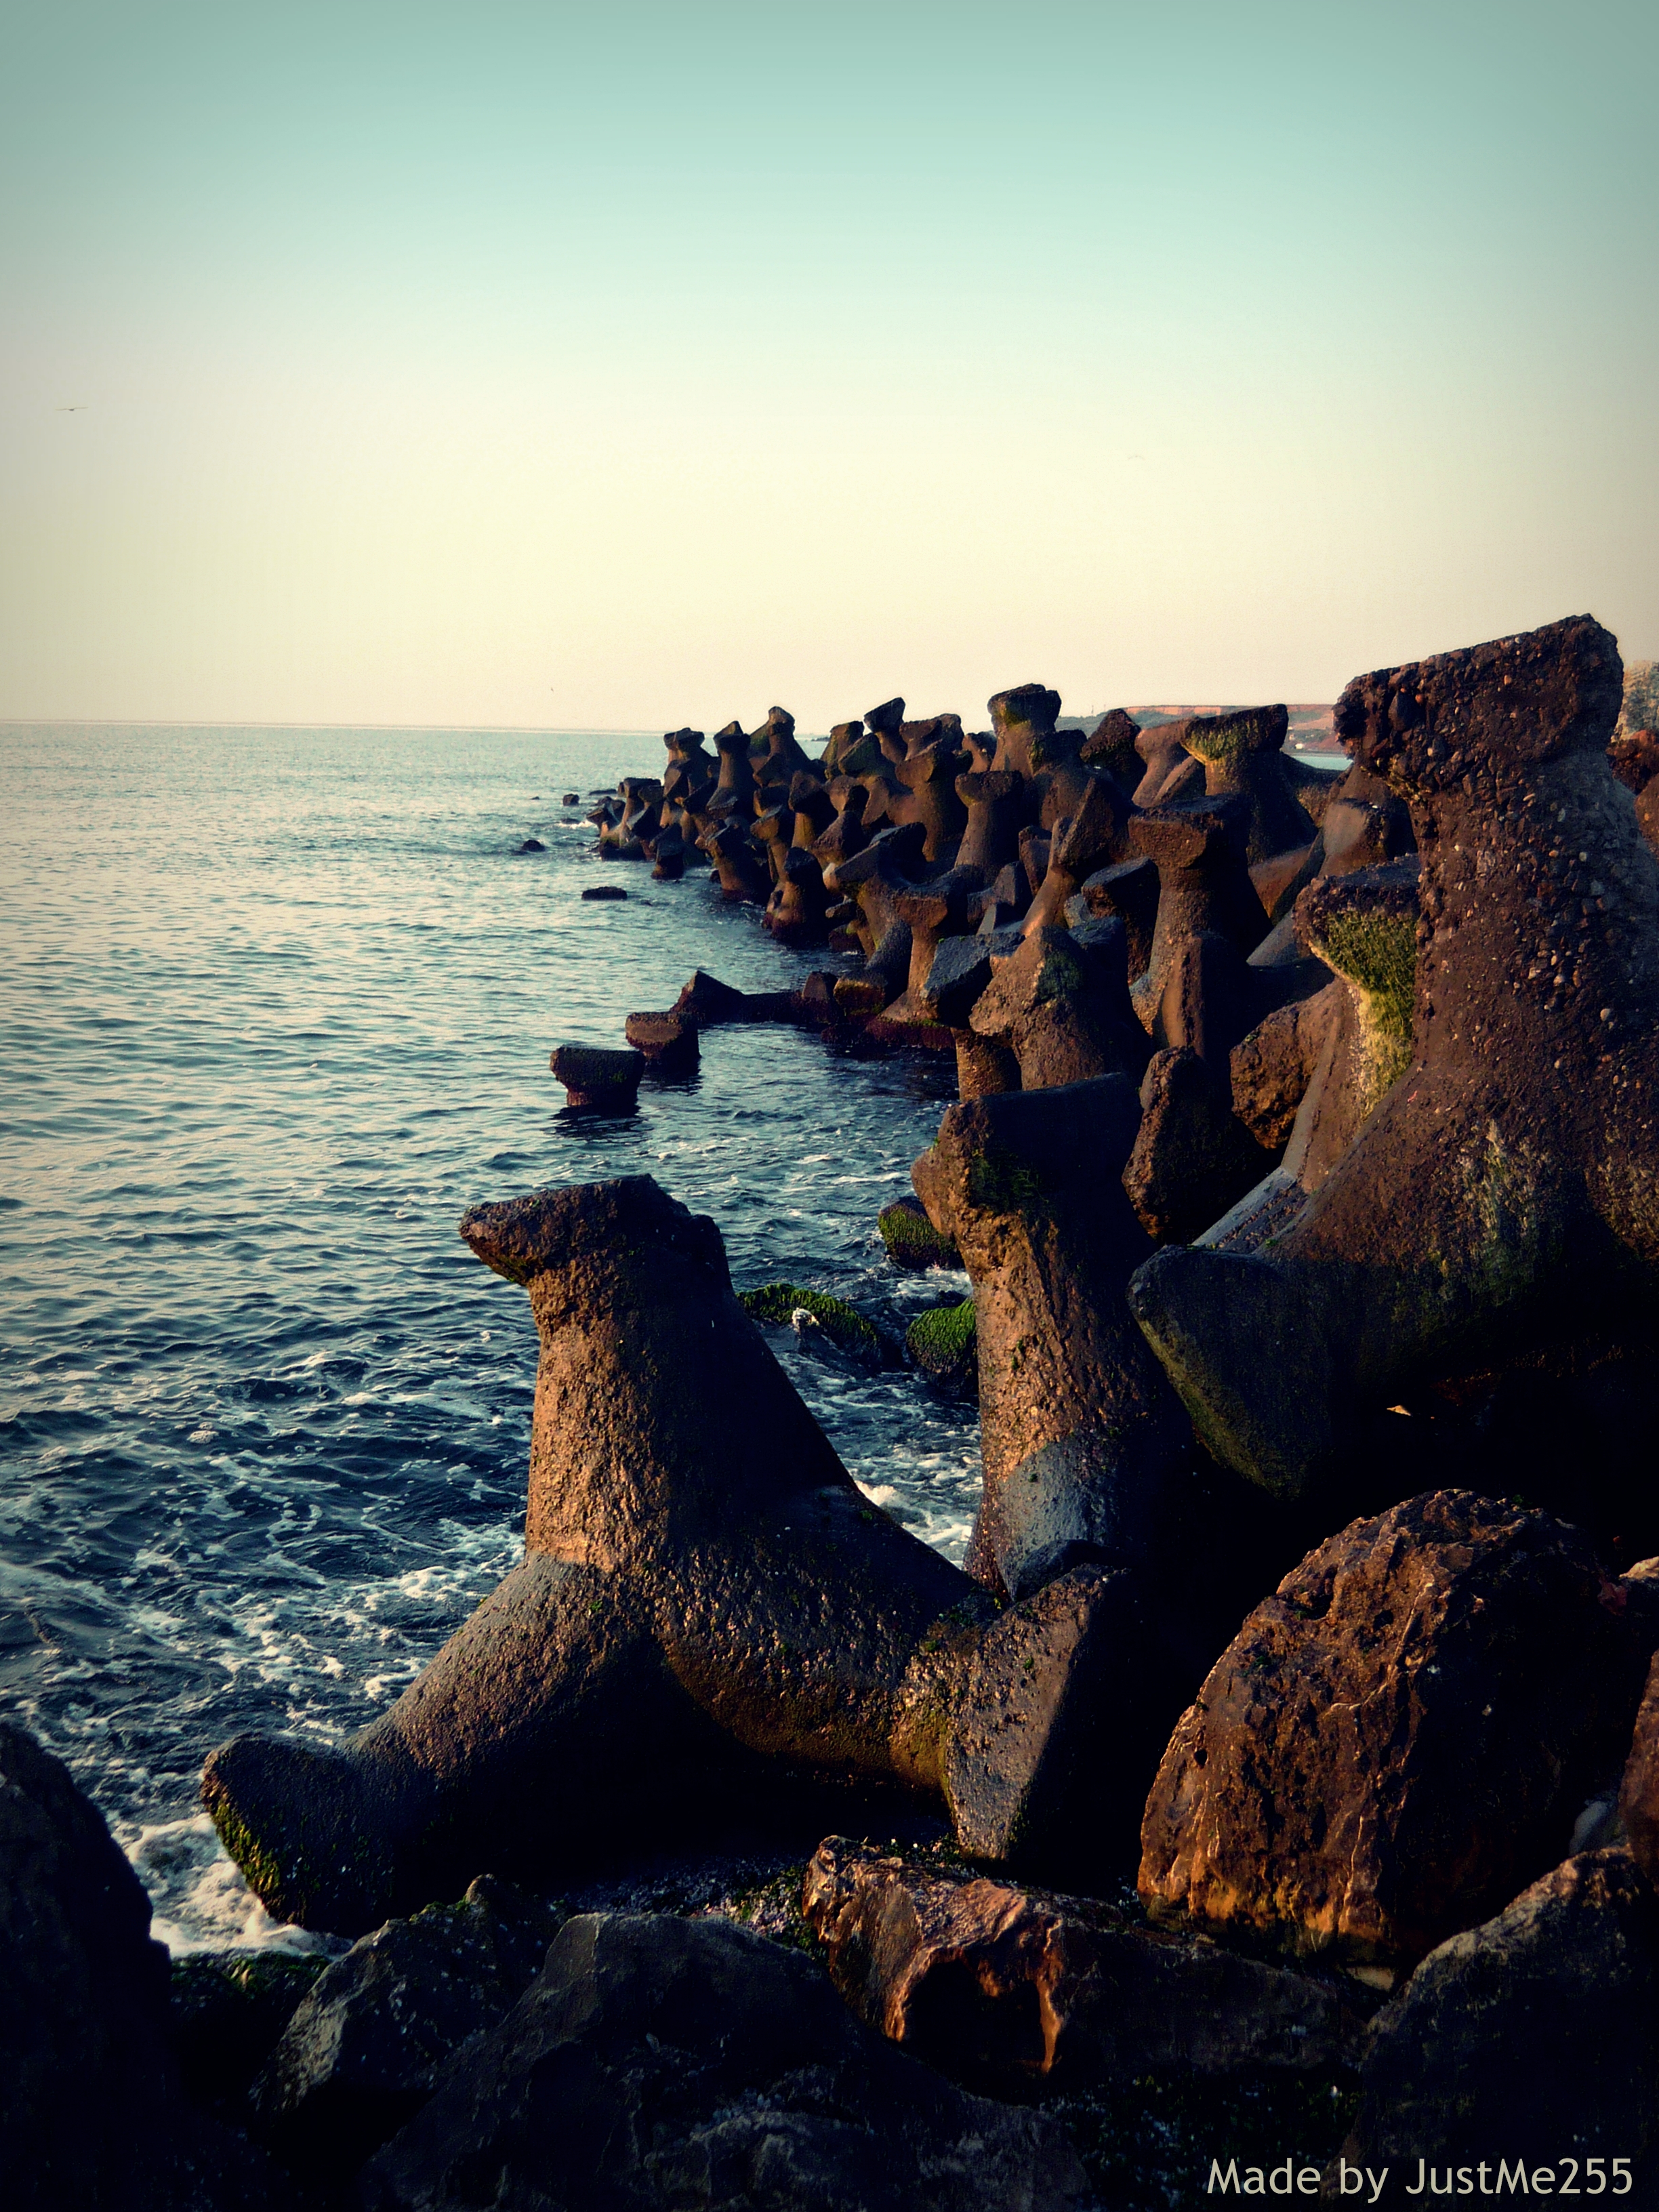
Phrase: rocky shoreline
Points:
(742, 1851)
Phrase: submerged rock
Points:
(658, 2062)
(604, 891)
(942, 1345)
(911, 1239)
(597, 1077)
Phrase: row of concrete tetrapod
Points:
(1337, 1240)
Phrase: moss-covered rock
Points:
(911, 1239)
(942, 1345)
(776, 1304)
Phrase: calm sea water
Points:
(277, 1009)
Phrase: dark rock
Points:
(708, 1603)
(1204, 891)
(571, 798)
(1089, 838)
(743, 875)
(1077, 1429)
(604, 891)
(1006, 1988)
(1056, 1734)
(1399, 1739)
(1362, 925)
(1529, 2042)
(997, 804)
(1192, 1157)
(91, 2112)
(1171, 771)
(533, 845)
(374, 2037)
(1023, 720)
(658, 2062)
(227, 2010)
(1500, 1201)
(597, 1077)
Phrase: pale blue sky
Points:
(633, 364)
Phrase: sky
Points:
(641, 363)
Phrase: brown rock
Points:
(1399, 1739)
(1006, 1988)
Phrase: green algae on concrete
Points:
(911, 1239)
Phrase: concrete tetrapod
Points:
(706, 1604)
(1503, 1197)
(1081, 1434)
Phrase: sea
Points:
(277, 1008)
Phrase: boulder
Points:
(228, 2008)
(604, 891)
(707, 1605)
(91, 2112)
(598, 1077)
(1503, 1199)
(657, 2063)
(1529, 2045)
(1008, 1988)
(1399, 1739)
(371, 2040)
(1079, 1431)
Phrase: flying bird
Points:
(79, 408)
